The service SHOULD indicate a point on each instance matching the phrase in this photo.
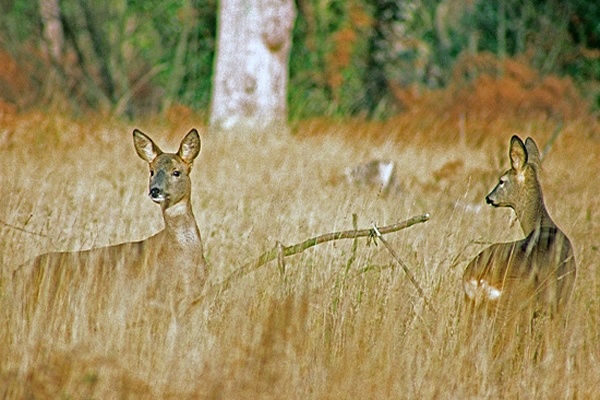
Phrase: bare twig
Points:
(404, 267)
(21, 229)
(354, 245)
(277, 251)
(551, 140)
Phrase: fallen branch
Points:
(280, 251)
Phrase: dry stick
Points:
(404, 267)
(21, 229)
(277, 251)
(354, 246)
(551, 140)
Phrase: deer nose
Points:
(155, 193)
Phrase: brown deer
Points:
(536, 272)
(173, 257)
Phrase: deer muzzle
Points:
(157, 183)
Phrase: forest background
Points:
(371, 59)
(436, 86)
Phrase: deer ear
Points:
(145, 147)
(517, 153)
(533, 154)
(190, 146)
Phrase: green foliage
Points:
(349, 57)
(18, 20)
(196, 87)
(127, 56)
(418, 42)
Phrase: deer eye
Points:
(176, 174)
(151, 173)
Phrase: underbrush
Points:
(338, 324)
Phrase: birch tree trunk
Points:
(53, 43)
(251, 69)
(52, 28)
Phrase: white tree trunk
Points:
(53, 32)
(251, 68)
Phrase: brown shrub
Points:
(488, 96)
(485, 85)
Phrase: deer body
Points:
(173, 255)
(537, 271)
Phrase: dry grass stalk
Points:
(404, 267)
(331, 329)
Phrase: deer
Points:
(173, 255)
(535, 273)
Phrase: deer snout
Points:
(157, 187)
(489, 200)
(157, 195)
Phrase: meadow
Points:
(338, 324)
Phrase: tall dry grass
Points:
(324, 330)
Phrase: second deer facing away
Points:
(537, 272)
(174, 253)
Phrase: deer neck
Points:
(534, 215)
(180, 225)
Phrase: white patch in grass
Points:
(481, 288)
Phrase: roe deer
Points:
(175, 253)
(537, 271)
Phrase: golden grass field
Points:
(323, 331)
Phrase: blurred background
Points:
(370, 59)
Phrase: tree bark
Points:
(52, 28)
(251, 68)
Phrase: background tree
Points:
(365, 58)
(251, 69)
(123, 57)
